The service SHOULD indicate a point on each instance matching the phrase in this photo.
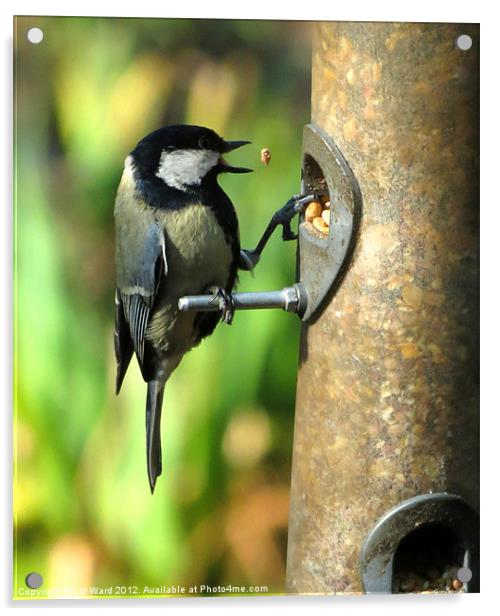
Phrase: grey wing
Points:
(124, 347)
(141, 262)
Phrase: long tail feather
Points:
(153, 436)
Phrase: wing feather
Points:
(140, 265)
(124, 347)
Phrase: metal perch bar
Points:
(289, 299)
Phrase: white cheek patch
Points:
(182, 168)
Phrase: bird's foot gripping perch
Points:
(225, 302)
(283, 217)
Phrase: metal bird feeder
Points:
(385, 461)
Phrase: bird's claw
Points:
(295, 205)
(287, 234)
(284, 216)
(248, 260)
(226, 304)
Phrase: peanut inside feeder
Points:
(317, 214)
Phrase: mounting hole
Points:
(34, 580)
(464, 574)
(464, 42)
(34, 35)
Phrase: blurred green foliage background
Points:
(83, 511)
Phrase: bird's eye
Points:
(204, 143)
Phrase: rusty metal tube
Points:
(387, 392)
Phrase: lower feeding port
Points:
(427, 544)
(429, 560)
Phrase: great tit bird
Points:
(176, 234)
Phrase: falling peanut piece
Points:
(313, 211)
(265, 156)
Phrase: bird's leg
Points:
(226, 303)
(283, 217)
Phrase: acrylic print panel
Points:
(85, 519)
(376, 124)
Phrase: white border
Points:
(354, 10)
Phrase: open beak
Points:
(229, 146)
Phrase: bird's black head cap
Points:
(148, 152)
